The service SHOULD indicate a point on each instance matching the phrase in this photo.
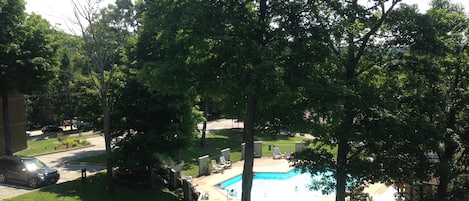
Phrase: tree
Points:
(434, 95)
(232, 51)
(60, 97)
(25, 57)
(150, 127)
(104, 37)
(349, 112)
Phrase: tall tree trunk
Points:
(346, 127)
(444, 169)
(107, 133)
(248, 148)
(443, 184)
(204, 126)
(343, 151)
(6, 125)
(341, 175)
(450, 146)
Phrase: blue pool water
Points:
(291, 185)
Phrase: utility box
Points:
(257, 149)
(17, 124)
(299, 146)
(204, 165)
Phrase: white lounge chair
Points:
(216, 167)
(224, 162)
(277, 153)
(288, 154)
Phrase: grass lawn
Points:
(36, 147)
(94, 189)
(216, 141)
(232, 139)
(98, 159)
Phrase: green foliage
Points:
(381, 89)
(25, 49)
(216, 54)
(61, 97)
(346, 98)
(150, 126)
(433, 94)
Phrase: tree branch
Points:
(358, 152)
(364, 41)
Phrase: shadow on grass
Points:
(215, 141)
(231, 138)
(94, 189)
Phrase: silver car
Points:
(26, 170)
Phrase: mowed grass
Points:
(97, 159)
(217, 141)
(232, 138)
(44, 146)
(94, 189)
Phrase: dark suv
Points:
(51, 129)
(26, 170)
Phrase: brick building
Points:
(17, 123)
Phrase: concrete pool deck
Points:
(267, 164)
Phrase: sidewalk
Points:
(71, 171)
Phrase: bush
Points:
(60, 137)
(84, 142)
(67, 142)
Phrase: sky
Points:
(60, 12)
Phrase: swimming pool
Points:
(291, 185)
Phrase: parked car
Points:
(83, 125)
(51, 129)
(26, 170)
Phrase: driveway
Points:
(68, 171)
(222, 124)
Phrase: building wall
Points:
(17, 123)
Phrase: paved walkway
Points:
(222, 124)
(68, 171)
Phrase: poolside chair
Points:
(216, 167)
(277, 153)
(288, 154)
(224, 162)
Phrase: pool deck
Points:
(265, 164)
